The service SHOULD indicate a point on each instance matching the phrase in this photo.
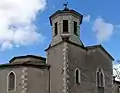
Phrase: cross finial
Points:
(65, 5)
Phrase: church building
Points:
(69, 66)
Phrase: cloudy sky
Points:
(25, 27)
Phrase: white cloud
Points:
(6, 45)
(17, 26)
(103, 29)
(86, 18)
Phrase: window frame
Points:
(100, 83)
(65, 26)
(56, 29)
(79, 76)
(75, 28)
(8, 90)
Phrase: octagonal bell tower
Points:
(65, 38)
(66, 24)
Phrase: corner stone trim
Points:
(65, 68)
(24, 80)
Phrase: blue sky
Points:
(101, 25)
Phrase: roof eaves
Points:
(82, 46)
(39, 57)
(34, 65)
(100, 46)
(69, 11)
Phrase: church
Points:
(69, 66)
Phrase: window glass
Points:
(75, 28)
(100, 80)
(77, 76)
(11, 81)
(65, 26)
(56, 28)
(98, 83)
(101, 77)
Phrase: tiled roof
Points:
(27, 60)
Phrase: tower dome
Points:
(66, 25)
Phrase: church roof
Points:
(65, 11)
(27, 60)
(66, 39)
(101, 47)
(86, 48)
(32, 65)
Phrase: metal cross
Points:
(65, 5)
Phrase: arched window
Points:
(56, 28)
(65, 26)
(75, 28)
(11, 81)
(77, 76)
(100, 79)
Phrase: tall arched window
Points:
(77, 76)
(100, 79)
(56, 28)
(11, 80)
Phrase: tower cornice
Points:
(60, 12)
